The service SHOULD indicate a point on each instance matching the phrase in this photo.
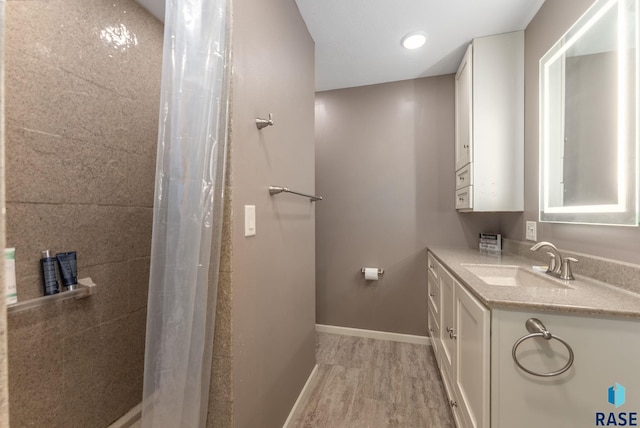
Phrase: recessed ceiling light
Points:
(414, 40)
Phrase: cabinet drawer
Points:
(432, 265)
(433, 290)
(464, 177)
(464, 198)
(434, 328)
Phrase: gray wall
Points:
(273, 272)
(385, 165)
(621, 243)
(81, 133)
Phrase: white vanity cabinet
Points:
(462, 348)
(489, 125)
(570, 361)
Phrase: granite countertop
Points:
(581, 296)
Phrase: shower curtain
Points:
(187, 216)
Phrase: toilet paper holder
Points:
(380, 271)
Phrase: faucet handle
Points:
(552, 262)
(566, 268)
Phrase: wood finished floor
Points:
(370, 383)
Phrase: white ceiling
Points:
(358, 41)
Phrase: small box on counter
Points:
(491, 241)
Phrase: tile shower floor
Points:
(374, 383)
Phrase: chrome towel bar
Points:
(274, 190)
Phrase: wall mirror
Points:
(588, 119)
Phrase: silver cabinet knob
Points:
(452, 333)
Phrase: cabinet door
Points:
(471, 371)
(463, 111)
(497, 143)
(447, 315)
(452, 398)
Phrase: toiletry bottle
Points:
(49, 281)
(68, 269)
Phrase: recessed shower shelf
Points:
(86, 287)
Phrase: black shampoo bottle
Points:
(49, 282)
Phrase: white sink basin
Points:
(512, 276)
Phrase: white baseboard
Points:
(301, 397)
(129, 419)
(373, 334)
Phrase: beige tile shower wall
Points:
(220, 409)
(82, 94)
(385, 164)
(4, 381)
(273, 277)
(550, 23)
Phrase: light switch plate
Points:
(249, 220)
(531, 232)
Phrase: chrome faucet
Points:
(558, 266)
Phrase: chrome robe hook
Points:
(263, 123)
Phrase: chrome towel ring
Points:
(537, 329)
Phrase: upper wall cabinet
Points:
(489, 113)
